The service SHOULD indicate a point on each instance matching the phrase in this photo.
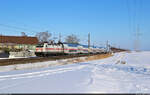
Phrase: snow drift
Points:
(100, 76)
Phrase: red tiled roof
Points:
(18, 39)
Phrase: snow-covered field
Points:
(100, 76)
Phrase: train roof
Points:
(85, 46)
(72, 45)
(76, 45)
(97, 47)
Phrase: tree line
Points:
(47, 37)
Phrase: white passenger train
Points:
(65, 48)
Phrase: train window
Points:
(72, 50)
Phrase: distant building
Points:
(18, 42)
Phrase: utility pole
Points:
(1, 40)
(93, 44)
(137, 40)
(60, 37)
(54, 37)
(89, 40)
(107, 45)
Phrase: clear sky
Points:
(112, 20)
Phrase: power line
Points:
(9, 30)
(9, 26)
(89, 40)
(137, 27)
(137, 9)
(137, 39)
(129, 15)
(18, 28)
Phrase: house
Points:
(18, 42)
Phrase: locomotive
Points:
(59, 48)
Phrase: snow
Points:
(99, 76)
(39, 64)
(16, 57)
(12, 58)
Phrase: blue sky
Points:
(112, 20)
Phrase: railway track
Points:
(5, 62)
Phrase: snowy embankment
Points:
(40, 64)
(122, 73)
(51, 63)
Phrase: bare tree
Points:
(72, 39)
(43, 36)
(23, 34)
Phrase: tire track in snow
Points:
(41, 73)
(119, 58)
(130, 69)
(16, 84)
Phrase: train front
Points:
(39, 50)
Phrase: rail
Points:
(5, 62)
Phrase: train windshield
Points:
(39, 46)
